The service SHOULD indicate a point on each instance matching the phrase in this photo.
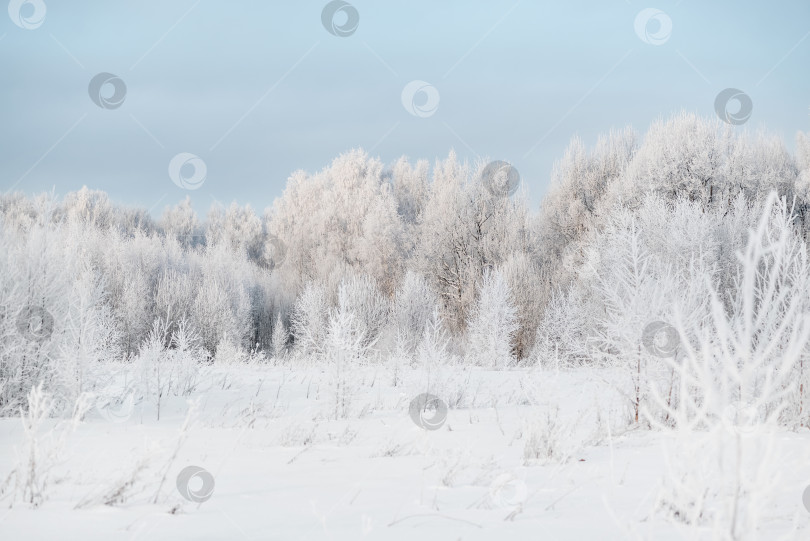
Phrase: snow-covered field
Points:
(648, 383)
(322, 277)
(522, 454)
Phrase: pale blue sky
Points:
(511, 77)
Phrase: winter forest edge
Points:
(668, 269)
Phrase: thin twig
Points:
(435, 515)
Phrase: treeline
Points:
(413, 258)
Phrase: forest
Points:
(676, 261)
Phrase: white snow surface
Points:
(286, 469)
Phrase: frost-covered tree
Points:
(185, 356)
(494, 323)
(379, 250)
(432, 350)
(634, 296)
(343, 215)
(91, 207)
(682, 155)
(280, 338)
(309, 320)
(34, 306)
(577, 200)
(346, 345)
(413, 307)
(174, 296)
(90, 335)
(565, 332)
(359, 295)
(237, 228)
(222, 305)
(410, 185)
(802, 188)
(466, 229)
(635, 279)
(529, 294)
(180, 222)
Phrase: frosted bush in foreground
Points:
(736, 375)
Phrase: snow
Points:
(284, 469)
(257, 376)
